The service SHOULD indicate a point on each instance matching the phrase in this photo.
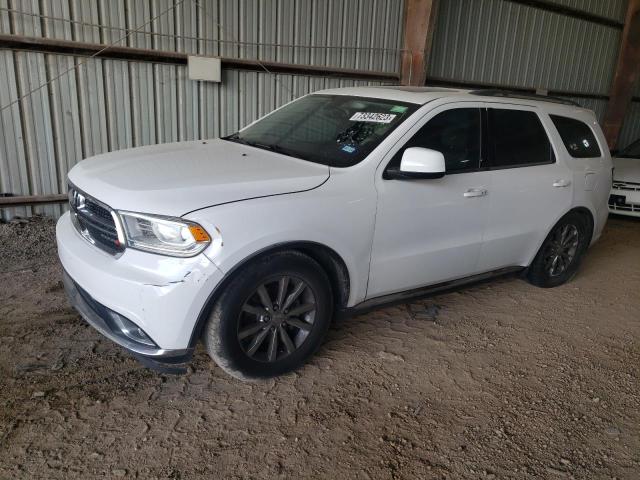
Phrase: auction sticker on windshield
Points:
(372, 117)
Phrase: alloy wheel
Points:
(277, 318)
(561, 250)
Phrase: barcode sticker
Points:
(372, 117)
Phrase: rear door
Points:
(588, 159)
(529, 187)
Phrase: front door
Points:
(430, 231)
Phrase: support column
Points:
(626, 76)
(419, 20)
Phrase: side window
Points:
(518, 139)
(577, 137)
(455, 133)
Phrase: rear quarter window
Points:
(577, 136)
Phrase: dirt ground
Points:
(501, 380)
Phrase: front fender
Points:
(343, 222)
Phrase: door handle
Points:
(475, 192)
(562, 183)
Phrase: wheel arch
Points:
(582, 210)
(330, 261)
(588, 214)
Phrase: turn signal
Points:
(199, 233)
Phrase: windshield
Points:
(632, 151)
(335, 130)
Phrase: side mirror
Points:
(419, 163)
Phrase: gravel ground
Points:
(501, 380)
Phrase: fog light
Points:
(131, 330)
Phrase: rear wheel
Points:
(271, 318)
(559, 256)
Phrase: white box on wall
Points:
(207, 69)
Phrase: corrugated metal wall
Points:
(510, 44)
(495, 41)
(108, 105)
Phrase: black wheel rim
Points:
(561, 250)
(276, 318)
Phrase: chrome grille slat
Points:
(628, 207)
(629, 186)
(99, 222)
(87, 220)
(94, 221)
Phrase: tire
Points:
(247, 314)
(546, 271)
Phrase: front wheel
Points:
(271, 317)
(559, 256)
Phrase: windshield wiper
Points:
(235, 138)
(264, 146)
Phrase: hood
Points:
(177, 178)
(626, 169)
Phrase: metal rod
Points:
(570, 12)
(68, 47)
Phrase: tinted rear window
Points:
(577, 137)
(518, 139)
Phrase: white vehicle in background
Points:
(340, 201)
(625, 192)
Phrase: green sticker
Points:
(398, 109)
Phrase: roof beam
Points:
(626, 76)
(419, 21)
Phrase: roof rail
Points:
(522, 95)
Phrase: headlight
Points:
(166, 235)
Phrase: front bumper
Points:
(97, 315)
(625, 202)
(164, 296)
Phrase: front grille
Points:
(94, 221)
(619, 203)
(630, 186)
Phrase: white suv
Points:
(625, 193)
(337, 202)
